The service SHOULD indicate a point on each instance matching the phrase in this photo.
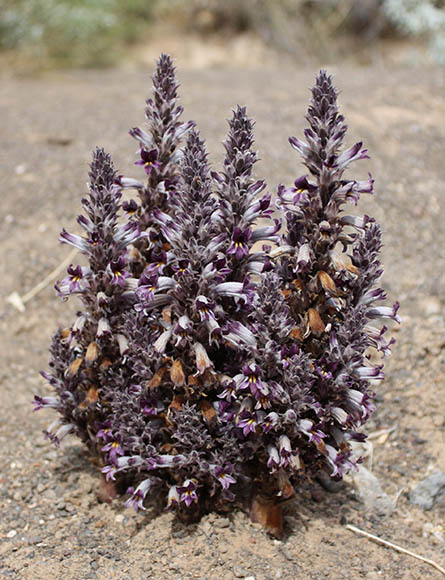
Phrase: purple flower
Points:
(356, 221)
(307, 427)
(187, 492)
(303, 258)
(113, 449)
(226, 411)
(128, 183)
(147, 285)
(117, 273)
(110, 472)
(223, 475)
(299, 145)
(376, 339)
(287, 353)
(267, 233)
(217, 270)
(181, 267)
(105, 431)
(49, 402)
(336, 460)
(353, 153)
(76, 241)
(173, 497)
(148, 160)
(340, 415)
(167, 187)
(297, 194)
(238, 334)
(138, 495)
(144, 138)
(159, 261)
(240, 242)
(204, 307)
(58, 430)
(288, 456)
(247, 421)
(229, 391)
(182, 329)
(130, 207)
(121, 464)
(270, 421)
(370, 373)
(385, 312)
(251, 379)
(150, 409)
(273, 461)
(373, 295)
(103, 328)
(127, 234)
(259, 207)
(76, 281)
(234, 289)
(361, 402)
(302, 184)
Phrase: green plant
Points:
(73, 32)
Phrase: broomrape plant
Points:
(202, 371)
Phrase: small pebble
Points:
(119, 518)
(286, 553)
(222, 523)
(427, 492)
(371, 492)
(317, 495)
(431, 305)
(438, 420)
(11, 534)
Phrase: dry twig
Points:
(19, 301)
(378, 434)
(395, 547)
(397, 496)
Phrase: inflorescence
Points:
(220, 354)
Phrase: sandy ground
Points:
(51, 524)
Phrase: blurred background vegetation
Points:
(46, 33)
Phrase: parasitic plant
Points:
(207, 368)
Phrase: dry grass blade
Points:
(395, 547)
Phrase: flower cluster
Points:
(200, 366)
